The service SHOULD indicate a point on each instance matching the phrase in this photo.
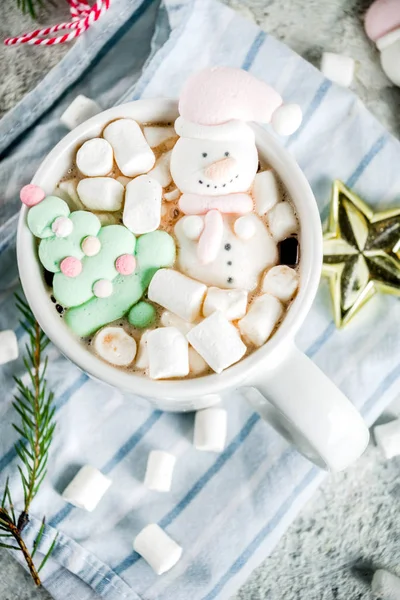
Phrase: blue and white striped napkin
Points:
(228, 510)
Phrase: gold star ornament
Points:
(361, 253)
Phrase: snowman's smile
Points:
(212, 184)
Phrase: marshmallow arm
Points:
(210, 239)
(194, 204)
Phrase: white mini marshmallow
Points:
(197, 364)
(388, 438)
(177, 293)
(217, 341)
(101, 193)
(132, 153)
(192, 226)
(115, 346)
(142, 209)
(8, 346)
(232, 303)
(124, 180)
(261, 319)
(87, 488)
(70, 194)
(169, 319)
(142, 357)
(338, 68)
(282, 221)
(210, 427)
(107, 218)
(168, 353)
(244, 227)
(157, 548)
(287, 119)
(281, 281)
(266, 191)
(95, 158)
(80, 110)
(161, 171)
(160, 467)
(385, 585)
(172, 195)
(156, 135)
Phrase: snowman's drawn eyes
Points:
(226, 153)
(204, 154)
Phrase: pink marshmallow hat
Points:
(216, 103)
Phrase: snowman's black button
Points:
(48, 277)
(289, 252)
(229, 262)
(59, 309)
(53, 299)
(208, 185)
(230, 280)
(227, 246)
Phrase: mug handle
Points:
(304, 406)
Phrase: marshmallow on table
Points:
(282, 221)
(87, 488)
(217, 341)
(160, 467)
(281, 281)
(156, 135)
(172, 195)
(132, 153)
(8, 346)
(168, 353)
(265, 191)
(142, 209)
(177, 293)
(287, 119)
(115, 346)
(142, 357)
(338, 68)
(385, 585)
(161, 172)
(210, 427)
(95, 157)
(101, 193)
(80, 110)
(157, 548)
(232, 303)
(169, 319)
(388, 438)
(261, 319)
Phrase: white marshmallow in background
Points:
(107, 218)
(217, 341)
(87, 488)
(159, 470)
(132, 153)
(282, 221)
(172, 195)
(101, 193)
(261, 319)
(266, 191)
(95, 158)
(197, 364)
(161, 171)
(69, 193)
(8, 346)
(387, 438)
(210, 426)
(338, 68)
(287, 119)
(142, 209)
(80, 110)
(232, 303)
(115, 346)
(157, 548)
(385, 585)
(281, 281)
(177, 293)
(124, 180)
(168, 353)
(156, 135)
(169, 319)
(142, 357)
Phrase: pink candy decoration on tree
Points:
(125, 264)
(71, 266)
(31, 195)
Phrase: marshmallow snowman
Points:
(214, 164)
(382, 25)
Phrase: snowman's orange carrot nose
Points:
(221, 170)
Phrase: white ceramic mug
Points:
(286, 388)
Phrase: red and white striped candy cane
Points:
(82, 14)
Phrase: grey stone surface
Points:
(351, 525)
